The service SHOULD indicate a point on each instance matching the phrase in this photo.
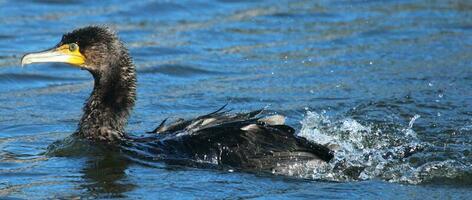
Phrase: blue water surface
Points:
(373, 77)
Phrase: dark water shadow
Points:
(104, 173)
(105, 177)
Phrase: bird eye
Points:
(73, 47)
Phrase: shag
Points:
(245, 141)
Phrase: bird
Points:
(247, 141)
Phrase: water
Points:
(388, 84)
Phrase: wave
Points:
(372, 152)
(8, 77)
(177, 70)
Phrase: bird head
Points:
(93, 48)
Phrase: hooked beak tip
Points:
(25, 60)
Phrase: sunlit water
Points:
(387, 84)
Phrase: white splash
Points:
(363, 152)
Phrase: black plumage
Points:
(248, 141)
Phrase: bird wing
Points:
(218, 117)
(243, 140)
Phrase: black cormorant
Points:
(246, 141)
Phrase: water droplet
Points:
(440, 95)
(430, 84)
(312, 91)
(412, 121)
(371, 62)
(439, 114)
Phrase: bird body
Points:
(248, 141)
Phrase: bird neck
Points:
(107, 109)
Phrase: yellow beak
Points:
(62, 54)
